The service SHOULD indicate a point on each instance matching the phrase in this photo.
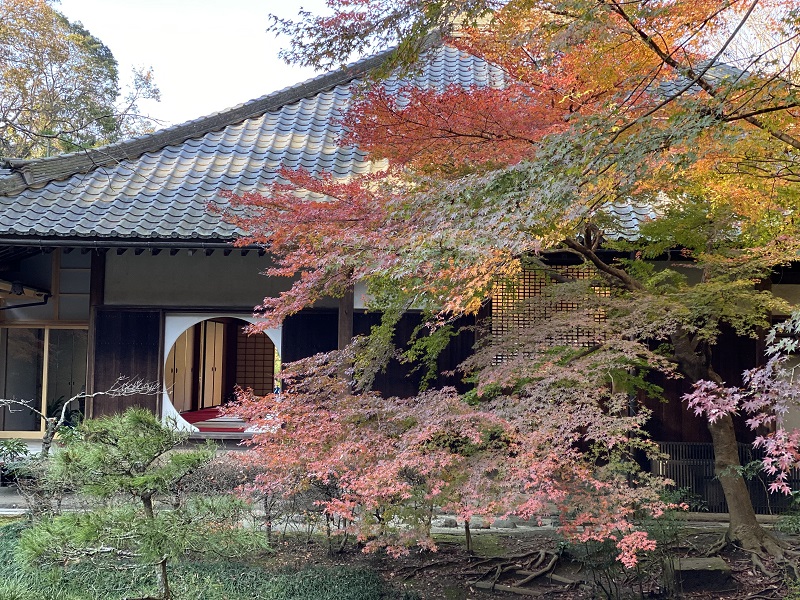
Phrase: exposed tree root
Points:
(769, 593)
(761, 545)
(546, 569)
(536, 566)
(538, 561)
(512, 560)
(757, 542)
(410, 572)
(792, 568)
(716, 547)
(757, 564)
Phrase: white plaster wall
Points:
(174, 325)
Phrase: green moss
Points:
(488, 545)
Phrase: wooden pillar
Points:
(346, 317)
(97, 280)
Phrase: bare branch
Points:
(123, 386)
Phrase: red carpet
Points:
(208, 419)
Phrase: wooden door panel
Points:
(127, 343)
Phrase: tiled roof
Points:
(158, 186)
(625, 217)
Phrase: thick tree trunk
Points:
(743, 527)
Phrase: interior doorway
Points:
(211, 357)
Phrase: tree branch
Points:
(699, 77)
(629, 282)
(549, 271)
(123, 386)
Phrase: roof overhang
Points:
(24, 246)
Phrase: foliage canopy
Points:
(684, 111)
(60, 89)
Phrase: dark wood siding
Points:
(402, 379)
(671, 421)
(127, 343)
(313, 331)
(398, 380)
(309, 332)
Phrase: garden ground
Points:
(301, 570)
(450, 573)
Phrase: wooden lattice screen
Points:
(514, 306)
(691, 467)
(255, 362)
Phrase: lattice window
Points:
(514, 306)
(255, 362)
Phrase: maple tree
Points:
(60, 88)
(674, 107)
(388, 463)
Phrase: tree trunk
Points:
(163, 581)
(743, 528)
(161, 567)
(50, 429)
(727, 468)
(147, 502)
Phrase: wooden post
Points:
(346, 317)
(96, 299)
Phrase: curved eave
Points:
(25, 174)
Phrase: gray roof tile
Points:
(159, 186)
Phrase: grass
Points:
(189, 580)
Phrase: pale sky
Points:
(207, 55)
